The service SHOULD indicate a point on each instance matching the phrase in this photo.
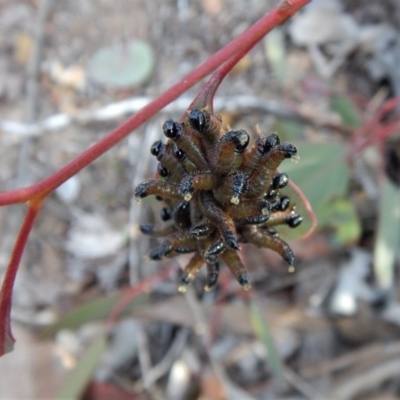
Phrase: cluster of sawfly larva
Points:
(218, 193)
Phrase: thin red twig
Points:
(6, 338)
(206, 95)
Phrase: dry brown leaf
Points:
(211, 388)
(212, 6)
(73, 76)
(23, 47)
(243, 65)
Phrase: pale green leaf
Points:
(263, 334)
(276, 52)
(387, 242)
(96, 310)
(322, 174)
(123, 66)
(288, 131)
(344, 220)
(347, 110)
(77, 381)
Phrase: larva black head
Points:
(156, 148)
(141, 190)
(272, 232)
(212, 274)
(202, 230)
(178, 153)
(280, 181)
(253, 220)
(165, 214)
(162, 170)
(187, 185)
(165, 248)
(231, 242)
(181, 215)
(244, 281)
(216, 248)
(156, 255)
(184, 249)
(294, 220)
(288, 149)
(185, 280)
(270, 142)
(289, 257)
(171, 129)
(198, 120)
(284, 203)
(240, 138)
(146, 229)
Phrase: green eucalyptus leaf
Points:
(77, 381)
(344, 221)
(347, 110)
(276, 52)
(96, 310)
(289, 131)
(322, 174)
(263, 334)
(387, 242)
(122, 66)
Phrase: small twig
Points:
(366, 353)
(367, 380)
(302, 386)
(143, 354)
(171, 355)
(114, 111)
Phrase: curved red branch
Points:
(6, 338)
(205, 97)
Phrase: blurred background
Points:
(328, 81)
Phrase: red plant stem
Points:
(374, 123)
(308, 207)
(206, 95)
(6, 336)
(382, 132)
(246, 40)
